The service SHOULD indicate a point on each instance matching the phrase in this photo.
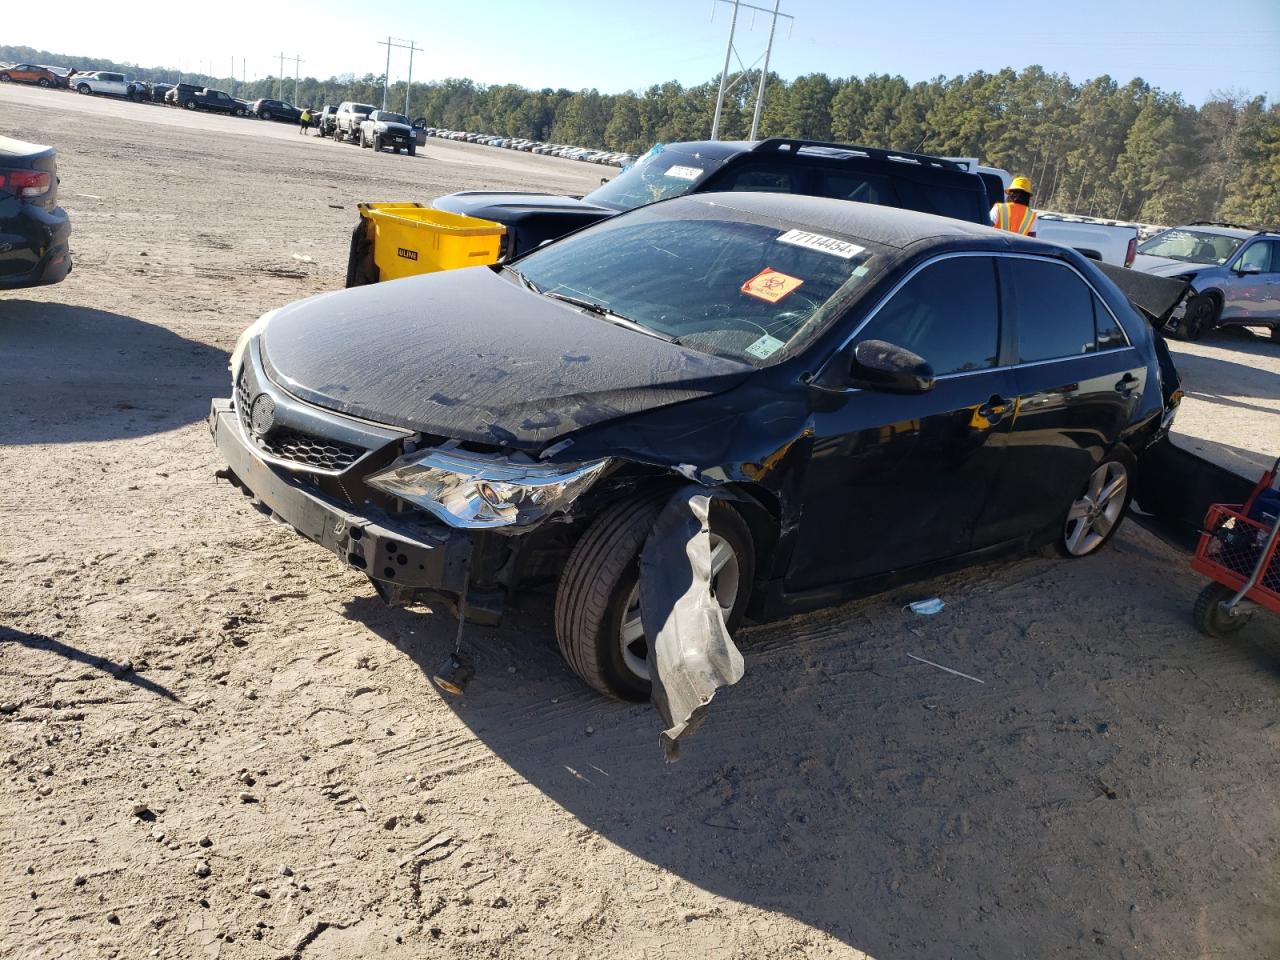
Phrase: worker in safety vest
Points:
(305, 120)
(1015, 214)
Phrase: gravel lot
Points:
(218, 743)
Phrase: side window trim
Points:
(1005, 333)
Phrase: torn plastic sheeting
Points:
(691, 654)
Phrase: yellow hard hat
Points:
(1021, 183)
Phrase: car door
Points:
(1077, 383)
(897, 480)
(1251, 288)
(25, 72)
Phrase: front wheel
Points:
(1211, 619)
(1097, 512)
(598, 600)
(1200, 317)
(377, 143)
(5, 78)
(84, 88)
(413, 151)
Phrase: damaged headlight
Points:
(484, 490)
(251, 331)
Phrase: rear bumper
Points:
(34, 247)
(407, 553)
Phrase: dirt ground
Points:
(215, 742)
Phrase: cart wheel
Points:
(1211, 619)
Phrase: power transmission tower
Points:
(386, 78)
(732, 51)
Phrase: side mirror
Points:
(879, 365)
(603, 181)
(1248, 269)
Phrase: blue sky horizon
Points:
(579, 45)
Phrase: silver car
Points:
(1234, 274)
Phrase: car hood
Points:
(391, 125)
(494, 205)
(1165, 267)
(468, 354)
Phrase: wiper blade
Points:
(600, 310)
(528, 284)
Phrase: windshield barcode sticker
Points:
(765, 347)
(816, 241)
(684, 173)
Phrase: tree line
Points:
(1100, 148)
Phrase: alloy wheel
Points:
(726, 578)
(1092, 517)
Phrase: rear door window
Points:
(762, 178)
(947, 313)
(1052, 310)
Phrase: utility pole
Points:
(408, 84)
(297, 76)
(386, 79)
(731, 51)
(280, 80)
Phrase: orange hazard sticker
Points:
(770, 286)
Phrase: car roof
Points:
(890, 226)
(1239, 233)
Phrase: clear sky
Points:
(1191, 46)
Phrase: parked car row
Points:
(608, 157)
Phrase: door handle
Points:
(994, 409)
(1126, 384)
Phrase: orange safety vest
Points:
(1016, 218)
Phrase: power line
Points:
(732, 51)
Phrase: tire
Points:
(84, 88)
(1201, 316)
(377, 143)
(1100, 520)
(265, 114)
(189, 104)
(43, 81)
(5, 78)
(600, 579)
(1210, 619)
(413, 152)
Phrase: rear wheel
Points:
(1097, 512)
(1200, 317)
(190, 104)
(1211, 619)
(598, 599)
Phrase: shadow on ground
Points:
(71, 374)
(905, 811)
(121, 671)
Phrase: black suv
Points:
(277, 110)
(33, 228)
(778, 165)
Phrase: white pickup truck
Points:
(1108, 242)
(105, 82)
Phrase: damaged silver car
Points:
(712, 407)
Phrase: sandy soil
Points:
(217, 743)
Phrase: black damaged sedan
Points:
(873, 395)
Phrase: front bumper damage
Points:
(397, 553)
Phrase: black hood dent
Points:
(468, 354)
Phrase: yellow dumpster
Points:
(394, 240)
